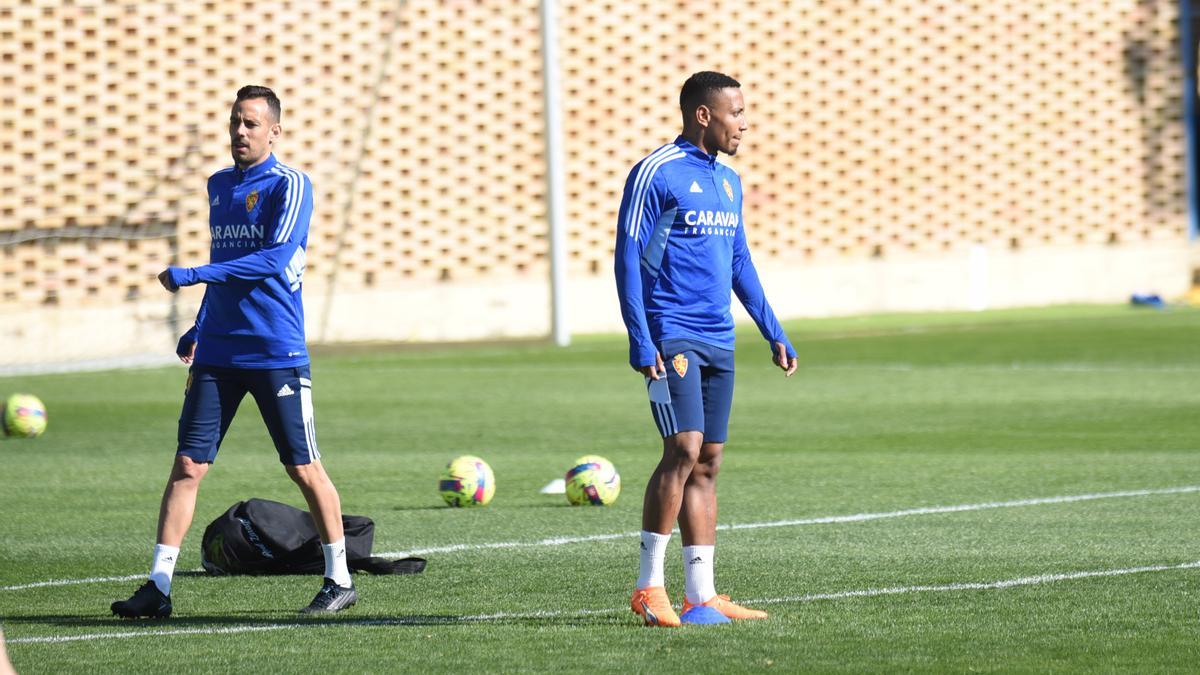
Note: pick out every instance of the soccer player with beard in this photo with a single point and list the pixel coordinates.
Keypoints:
(248, 338)
(680, 251)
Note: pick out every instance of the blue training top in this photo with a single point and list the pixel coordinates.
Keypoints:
(681, 249)
(252, 315)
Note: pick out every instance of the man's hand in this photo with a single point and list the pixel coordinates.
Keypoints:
(780, 358)
(164, 278)
(186, 352)
(185, 349)
(653, 372)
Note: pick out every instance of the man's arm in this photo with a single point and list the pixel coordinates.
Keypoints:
(185, 349)
(290, 228)
(641, 206)
(749, 290)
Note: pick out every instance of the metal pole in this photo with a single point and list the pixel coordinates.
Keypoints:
(554, 176)
(1188, 47)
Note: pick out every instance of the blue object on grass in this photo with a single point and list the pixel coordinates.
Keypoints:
(1146, 300)
(703, 614)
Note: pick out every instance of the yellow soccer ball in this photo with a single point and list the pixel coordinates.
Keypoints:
(593, 480)
(467, 481)
(24, 416)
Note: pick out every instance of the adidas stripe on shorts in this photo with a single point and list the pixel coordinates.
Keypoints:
(284, 398)
(697, 393)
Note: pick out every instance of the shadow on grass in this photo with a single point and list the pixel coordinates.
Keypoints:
(273, 619)
(195, 573)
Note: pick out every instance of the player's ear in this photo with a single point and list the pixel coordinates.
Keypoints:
(703, 115)
(275, 131)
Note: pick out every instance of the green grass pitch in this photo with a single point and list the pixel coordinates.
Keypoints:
(836, 491)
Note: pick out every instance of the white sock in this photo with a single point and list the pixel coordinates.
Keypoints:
(654, 551)
(698, 584)
(163, 567)
(335, 563)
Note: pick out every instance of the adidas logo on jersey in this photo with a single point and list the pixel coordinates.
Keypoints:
(216, 200)
(284, 391)
(695, 187)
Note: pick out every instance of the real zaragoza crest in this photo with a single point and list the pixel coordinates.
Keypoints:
(680, 364)
(252, 198)
(728, 188)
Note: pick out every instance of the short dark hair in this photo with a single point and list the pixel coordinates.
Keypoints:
(256, 91)
(700, 87)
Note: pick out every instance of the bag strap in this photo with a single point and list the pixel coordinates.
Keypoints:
(376, 565)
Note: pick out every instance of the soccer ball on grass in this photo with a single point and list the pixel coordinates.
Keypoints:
(467, 481)
(24, 416)
(593, 480)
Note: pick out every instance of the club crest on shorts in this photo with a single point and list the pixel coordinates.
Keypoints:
(728, 188)
(679, 363)
(252, 199)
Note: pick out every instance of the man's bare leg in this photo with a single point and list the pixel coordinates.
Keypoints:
(326, 509)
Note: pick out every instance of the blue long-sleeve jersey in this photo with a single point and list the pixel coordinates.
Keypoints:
(252, 315)
(681, 248)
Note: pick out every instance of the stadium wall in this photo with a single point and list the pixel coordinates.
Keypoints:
(907, 155)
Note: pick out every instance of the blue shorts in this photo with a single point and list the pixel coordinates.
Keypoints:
(284, 398)
(698, 390)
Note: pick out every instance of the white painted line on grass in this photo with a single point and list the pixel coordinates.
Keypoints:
(549, 541)
(70, 582)
(509, 616)
(89, 637)
(1015, 366)
(979, 586)
(852, 518)
(927, 510)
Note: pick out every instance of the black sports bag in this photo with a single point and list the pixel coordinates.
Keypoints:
(259, 536)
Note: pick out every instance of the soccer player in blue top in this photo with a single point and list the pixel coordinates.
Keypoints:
(248, 338)
(680, 251)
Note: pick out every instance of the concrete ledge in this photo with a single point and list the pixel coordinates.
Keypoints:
(970, 279)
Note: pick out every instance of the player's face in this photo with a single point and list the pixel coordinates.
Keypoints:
(727, 121)
(252, 131)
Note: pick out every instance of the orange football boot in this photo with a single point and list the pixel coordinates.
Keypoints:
(722, 604)
(653, 605)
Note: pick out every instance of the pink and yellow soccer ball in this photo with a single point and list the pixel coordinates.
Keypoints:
(467, 481)
(592, 480)
(24, 416)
